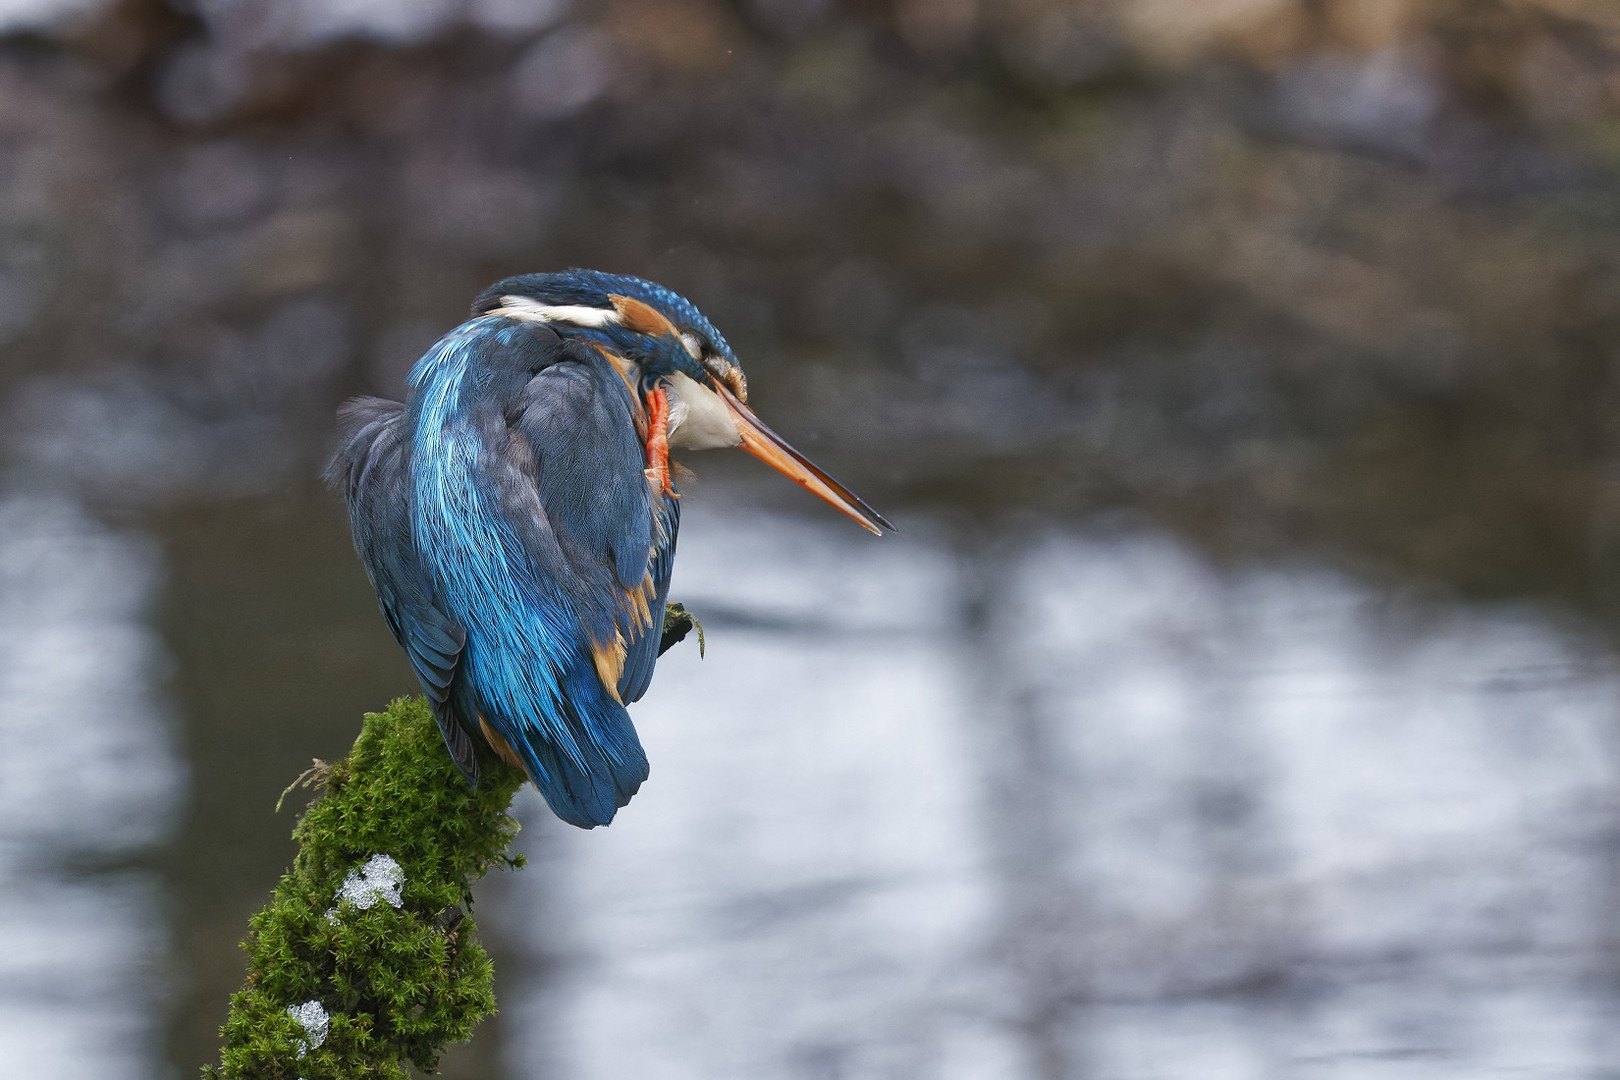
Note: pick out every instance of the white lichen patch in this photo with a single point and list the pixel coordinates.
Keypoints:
(379, 880)
(312, 1017)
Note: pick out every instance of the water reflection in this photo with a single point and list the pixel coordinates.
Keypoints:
(88, 782)
(1132, 817)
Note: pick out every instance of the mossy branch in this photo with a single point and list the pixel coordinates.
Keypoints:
(365, 959)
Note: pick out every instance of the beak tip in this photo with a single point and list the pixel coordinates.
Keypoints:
(759, 441)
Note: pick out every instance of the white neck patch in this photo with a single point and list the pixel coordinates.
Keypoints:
(532, 310)
(698, 419)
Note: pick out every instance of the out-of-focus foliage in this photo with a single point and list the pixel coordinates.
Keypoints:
(398, 979)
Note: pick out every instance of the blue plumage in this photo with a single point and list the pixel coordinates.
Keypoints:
(518, 520)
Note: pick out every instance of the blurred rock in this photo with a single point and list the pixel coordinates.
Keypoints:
(129, 446)
(937, 26)
(221, 183)
(1384, 101)
(307, 23)
(1063, 45)
(43, 15)
(301, 345)
(26, 282)
(200, 83)
(397, 349)
(790, 17)
(295, 250)
(562, 73)
(857, 300)
(1560, 89)
(1173, 32)
(517, 16)
(697, 37)
(1372, 25)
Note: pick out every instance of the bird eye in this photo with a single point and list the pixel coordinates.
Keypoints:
(694, 347)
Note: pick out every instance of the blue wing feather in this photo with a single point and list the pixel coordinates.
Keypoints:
(589, 468)
(371, 468)
(533, 515)
(577, 420)
(642, 653)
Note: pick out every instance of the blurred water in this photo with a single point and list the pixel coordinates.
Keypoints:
(89, 782)
(1139, 818)
(1074, 803)
(1068, 803)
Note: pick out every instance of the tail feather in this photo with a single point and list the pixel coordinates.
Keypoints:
(589, 792)
(457, 741)
(583, 797)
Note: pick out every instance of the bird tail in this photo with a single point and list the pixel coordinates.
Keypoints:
(587, 792)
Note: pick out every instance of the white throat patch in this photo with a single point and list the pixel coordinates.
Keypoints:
(698, 419)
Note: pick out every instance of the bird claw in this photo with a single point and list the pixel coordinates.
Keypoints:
(659, 478)
(678, 622)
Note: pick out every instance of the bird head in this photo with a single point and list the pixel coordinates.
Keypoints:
(659, 340)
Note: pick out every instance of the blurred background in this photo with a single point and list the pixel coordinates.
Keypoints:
(1240, 697)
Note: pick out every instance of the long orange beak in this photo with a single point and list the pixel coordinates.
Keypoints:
(773, 450)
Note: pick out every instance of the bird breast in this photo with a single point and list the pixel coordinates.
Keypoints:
(698, 418)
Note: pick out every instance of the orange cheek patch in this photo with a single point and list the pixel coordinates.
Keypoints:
(641, 317)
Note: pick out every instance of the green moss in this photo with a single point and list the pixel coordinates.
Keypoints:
(399, 984)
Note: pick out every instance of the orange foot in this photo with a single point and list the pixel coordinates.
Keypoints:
(658, 440)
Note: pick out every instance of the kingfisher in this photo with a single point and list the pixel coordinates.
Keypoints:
(517, 516)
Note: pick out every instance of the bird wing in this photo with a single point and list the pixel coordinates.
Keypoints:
(587, 521)
(643, 650)
(580, 416)
(371, 467)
